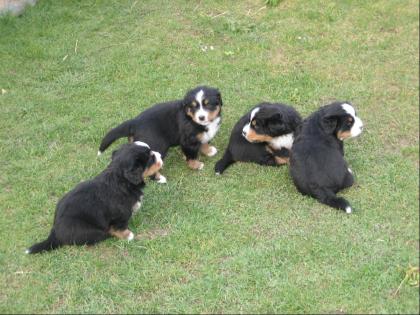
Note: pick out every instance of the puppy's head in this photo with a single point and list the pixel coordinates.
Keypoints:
(339, 119)
(203, 104)
(268, 121)
(135, 161)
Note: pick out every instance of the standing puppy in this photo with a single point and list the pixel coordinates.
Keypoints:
(191, 123)
(317, 162)
(99, 208)
(264, 135)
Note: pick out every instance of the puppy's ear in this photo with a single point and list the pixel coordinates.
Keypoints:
(329, 123)
(219, 98)
(276, 124)
(134, 176)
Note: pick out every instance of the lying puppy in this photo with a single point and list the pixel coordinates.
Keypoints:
(317, 162)
(191, 123)
(99, 208)
(264, 136)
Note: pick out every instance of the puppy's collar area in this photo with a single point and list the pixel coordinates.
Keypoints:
(284, 141)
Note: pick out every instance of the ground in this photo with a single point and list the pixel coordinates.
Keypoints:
(243, 242)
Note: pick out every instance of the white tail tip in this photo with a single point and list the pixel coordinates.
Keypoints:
(99, 153)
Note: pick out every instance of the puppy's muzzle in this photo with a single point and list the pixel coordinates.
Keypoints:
(158, 158)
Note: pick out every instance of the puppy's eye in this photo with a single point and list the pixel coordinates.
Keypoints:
(194, 104)
(254, 123)
(349, 120)
(206, 102)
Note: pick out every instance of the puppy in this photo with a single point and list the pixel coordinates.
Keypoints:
(99, 208)
(317, 163)
(191, 123)
(264, 136)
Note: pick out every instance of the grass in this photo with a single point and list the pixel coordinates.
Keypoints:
(243, 242)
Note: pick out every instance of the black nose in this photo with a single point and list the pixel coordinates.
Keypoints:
(201, 118)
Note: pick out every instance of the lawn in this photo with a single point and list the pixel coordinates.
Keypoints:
(243, 242)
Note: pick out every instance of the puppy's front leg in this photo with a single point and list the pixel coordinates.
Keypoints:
(191, 155)
(124, 234)
(208, 149)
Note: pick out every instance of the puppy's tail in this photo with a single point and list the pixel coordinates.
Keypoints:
(329, 198)
(49, 244)
(224, 163)
(123, 130)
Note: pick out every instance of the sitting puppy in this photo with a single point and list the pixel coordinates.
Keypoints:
(264, 136)
(191, 123)
(317, 162)
(99, 208)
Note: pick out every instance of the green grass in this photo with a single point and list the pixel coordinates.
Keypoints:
(243, 242)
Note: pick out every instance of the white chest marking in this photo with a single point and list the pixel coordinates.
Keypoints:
(285, 141)
(212, 129)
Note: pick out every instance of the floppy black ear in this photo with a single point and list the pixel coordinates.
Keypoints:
(219, 98)
(133, 176)
(329, 123)
(276, 123)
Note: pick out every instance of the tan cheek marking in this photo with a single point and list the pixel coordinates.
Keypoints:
(194, 164)
(153, 169)
(121, 234)
(214, 114)
(255, 137)
(281, 160)
(191, 114)
(343, 135)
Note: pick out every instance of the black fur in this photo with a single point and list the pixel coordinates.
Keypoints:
(169, 124)
(86, 214)
(317, 163)
(272, 120)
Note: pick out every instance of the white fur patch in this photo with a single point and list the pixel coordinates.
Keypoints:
(212, 129)
(136, 206)
(284, 141)
(27, 251)
(246, 128)
(357, 127)
(350, 171)
(158, 157)
(212, 151)
(161, 179)
(142, 144)
(99, 153)
(130, 236)
(348, 210)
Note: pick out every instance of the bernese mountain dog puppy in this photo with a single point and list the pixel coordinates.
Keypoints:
(264, 136)
(191, 123)
(101, 207)
(317, 163)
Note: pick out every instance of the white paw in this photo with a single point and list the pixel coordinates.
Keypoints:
(27, 251)
(348, 210)
(130, 236)
(99, 153)
(136, 206)
(212, 151)
(218, 173)
(200, 166)
(350, 171)
(162, 180)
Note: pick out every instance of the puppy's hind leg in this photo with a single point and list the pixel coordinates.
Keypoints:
(82, 233)
(224, 163)
(328, 197)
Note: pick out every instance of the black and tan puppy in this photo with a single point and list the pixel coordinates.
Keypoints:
(99, 208)
(264, 136)
(317, 162)
(191, 123)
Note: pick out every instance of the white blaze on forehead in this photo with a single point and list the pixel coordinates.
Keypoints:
(254, 112)
(142, 144)
(199, 96)
(357, 127)
(348, 109)
(201, 112)
(246, 128)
